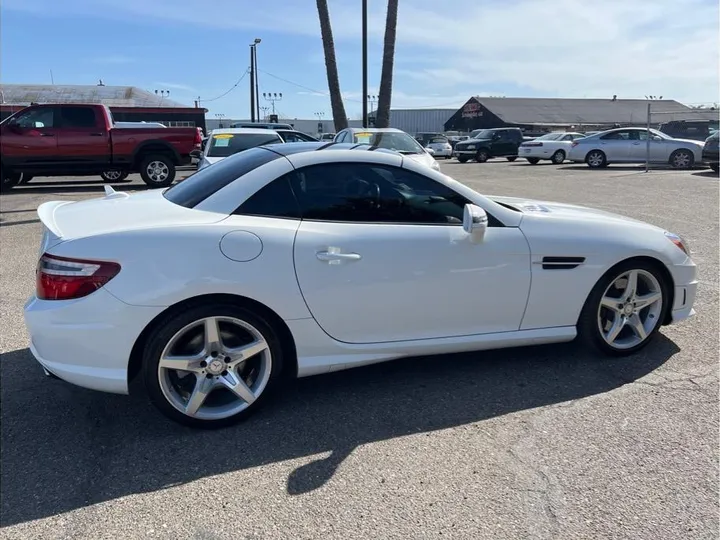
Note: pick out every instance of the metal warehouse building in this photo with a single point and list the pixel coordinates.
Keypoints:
(546, 114)
(127, 103)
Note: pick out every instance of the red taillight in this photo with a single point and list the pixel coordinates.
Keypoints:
(61, 278)
(531, 144)
(198, 137)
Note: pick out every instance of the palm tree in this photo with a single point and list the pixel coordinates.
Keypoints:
(382, 115)
(336, 101)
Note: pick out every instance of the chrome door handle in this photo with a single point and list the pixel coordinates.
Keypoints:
(334, 257)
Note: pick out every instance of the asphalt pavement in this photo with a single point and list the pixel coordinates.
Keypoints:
(548, 442)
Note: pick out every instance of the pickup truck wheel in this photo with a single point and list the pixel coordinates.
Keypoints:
(462, 159)
(113, 176)
(8, 180)
(157, 171)
(482, 156)
(25, 178)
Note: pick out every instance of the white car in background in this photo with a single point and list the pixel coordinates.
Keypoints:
(553, 146)
(630, 145)
(306, 258)
(225, 142)
(441, 147)
(390, 139)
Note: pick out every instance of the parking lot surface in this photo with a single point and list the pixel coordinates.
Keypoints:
(545, 442)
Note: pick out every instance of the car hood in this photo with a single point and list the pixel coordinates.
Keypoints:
(556, 210)
(699, 144)
(117, 211)
(472, 141)
(423, 159)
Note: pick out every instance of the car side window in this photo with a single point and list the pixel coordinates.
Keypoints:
(77, 117)
(43, 117)
(341, 136)
(276, 199)
(617, 136)
(370, 193)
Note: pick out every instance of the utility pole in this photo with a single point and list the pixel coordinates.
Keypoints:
(272, 97)
(253, 79)
(647, 141)
(365, 60)
(257, 90)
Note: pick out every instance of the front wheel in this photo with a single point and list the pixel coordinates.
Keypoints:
(212, 365)
(462, 159)
(511, 158)
(558, 157)
(625, 308)
(114, 176)
(596, 159)
(682, 159)
(157, 171)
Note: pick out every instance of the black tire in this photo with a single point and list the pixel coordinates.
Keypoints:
(511, 158)
(715, 167)
(462, 159)
(168, 328)
(596, 159)
(114, 176)
(482, 156)
(533, 160)
(150, 178)
(682, 158)
(8, 180)
(587, 326)
(558, 157)
(25, 178)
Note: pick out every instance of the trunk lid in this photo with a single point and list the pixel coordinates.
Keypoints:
(117, 211)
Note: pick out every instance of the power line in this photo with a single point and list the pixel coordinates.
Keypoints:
(234, 86)
(305, 87)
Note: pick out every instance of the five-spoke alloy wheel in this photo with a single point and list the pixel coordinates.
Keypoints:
(209, 367)
(626, 307)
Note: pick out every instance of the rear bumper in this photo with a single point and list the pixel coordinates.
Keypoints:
(86, 342)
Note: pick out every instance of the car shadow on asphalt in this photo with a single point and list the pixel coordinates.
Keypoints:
(709, 173)
(65, 448)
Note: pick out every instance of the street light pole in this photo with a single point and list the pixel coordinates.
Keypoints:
(254, 99)
(257, 90)
(365, 60)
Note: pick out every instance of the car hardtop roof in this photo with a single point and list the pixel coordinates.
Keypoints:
(376, 130)
(289, 149)
(247, 131)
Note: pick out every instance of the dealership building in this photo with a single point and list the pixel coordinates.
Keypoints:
(127, 103)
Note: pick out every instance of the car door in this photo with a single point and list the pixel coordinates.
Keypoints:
(81, 143)
(31, 140)
(616, 145)
(503, 145)
(381, 255)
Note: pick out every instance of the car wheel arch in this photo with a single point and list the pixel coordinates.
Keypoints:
(278, 324)
(661, 268)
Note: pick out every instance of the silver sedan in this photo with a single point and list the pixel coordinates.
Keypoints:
(630, 145)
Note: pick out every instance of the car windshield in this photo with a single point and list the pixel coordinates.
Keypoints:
(399, 142)
(550, 137)
(482, 134)
(227, 144)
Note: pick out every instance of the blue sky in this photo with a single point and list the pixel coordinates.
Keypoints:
(563, 48)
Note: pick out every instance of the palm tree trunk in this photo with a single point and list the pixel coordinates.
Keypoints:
(382, 115)
(336, 101)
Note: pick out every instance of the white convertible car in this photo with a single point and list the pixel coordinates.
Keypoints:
(304, 258)
(553, 146)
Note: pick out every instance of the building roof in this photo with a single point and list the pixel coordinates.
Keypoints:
(112, 96)
(564, 111)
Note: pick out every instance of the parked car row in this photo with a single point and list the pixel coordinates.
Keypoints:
(596, 149)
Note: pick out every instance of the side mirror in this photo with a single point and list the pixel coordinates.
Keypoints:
(657, 138)
(475, 222)
(430, 151)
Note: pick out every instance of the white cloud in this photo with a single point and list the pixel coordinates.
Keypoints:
(175, 86)
(568, 48)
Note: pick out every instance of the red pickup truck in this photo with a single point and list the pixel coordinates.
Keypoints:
(80, 140)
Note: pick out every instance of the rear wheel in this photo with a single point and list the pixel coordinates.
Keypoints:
(511, 158)
(213, 365)
(482, 156)
(715, 167)
(157, 171)
(558, 157)
(625, 308)
(596, 159)
(682, 158)
(25, 178)
(533, 160)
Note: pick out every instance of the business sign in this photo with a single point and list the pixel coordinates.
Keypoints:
(472, 110)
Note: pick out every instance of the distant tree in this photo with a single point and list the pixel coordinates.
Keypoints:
(336, 101)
